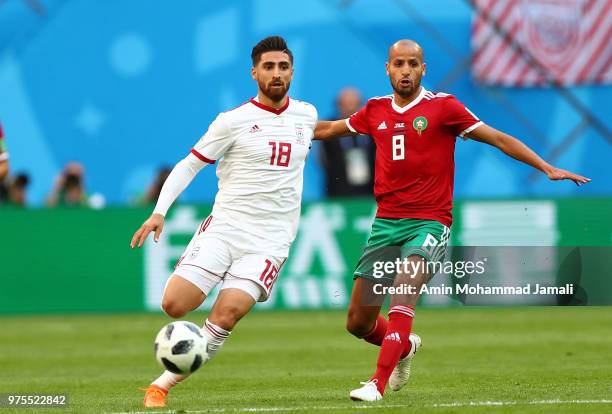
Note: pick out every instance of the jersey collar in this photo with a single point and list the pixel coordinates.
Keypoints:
(269, 108)
(402, 109)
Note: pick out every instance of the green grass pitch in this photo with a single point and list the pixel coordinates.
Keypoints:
(473, 360)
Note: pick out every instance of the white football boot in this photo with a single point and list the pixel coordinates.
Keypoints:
(368, 392)
(401, 372)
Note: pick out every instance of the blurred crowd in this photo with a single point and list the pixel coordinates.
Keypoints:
(348, 165)
(348, 162)
(68, 188)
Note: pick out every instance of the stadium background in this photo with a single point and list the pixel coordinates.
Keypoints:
(127, 86)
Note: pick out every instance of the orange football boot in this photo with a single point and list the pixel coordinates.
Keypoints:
(154, 396)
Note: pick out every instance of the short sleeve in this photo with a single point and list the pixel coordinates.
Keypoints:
(215, 142)
(458, 118)
(314, 116)
(358, 122)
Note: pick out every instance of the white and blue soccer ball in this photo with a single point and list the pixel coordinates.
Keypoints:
(180, 347)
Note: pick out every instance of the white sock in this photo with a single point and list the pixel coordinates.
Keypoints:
(215, 335)
(168, 380)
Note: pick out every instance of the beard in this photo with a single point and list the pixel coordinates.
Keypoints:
(276, 94)
(405, 92)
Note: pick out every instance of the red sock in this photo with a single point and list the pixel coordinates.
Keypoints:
(394, 345)
(377, 334)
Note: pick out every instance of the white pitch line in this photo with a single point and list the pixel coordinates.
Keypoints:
(474, 404)
(571, 402)
(536, 402)
(370, 406)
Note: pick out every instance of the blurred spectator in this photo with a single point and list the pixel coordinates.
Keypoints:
(4, 165)
(348, 161)
(17, 190)
(69, 187)
(155, 187)
(13, 190)
(4, 191)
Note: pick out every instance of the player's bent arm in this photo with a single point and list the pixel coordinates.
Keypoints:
(519, 151)
(180, 177)
(4, 169)
(332, 129)
(4, 158)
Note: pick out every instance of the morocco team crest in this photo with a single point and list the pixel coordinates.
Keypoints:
(420, 124)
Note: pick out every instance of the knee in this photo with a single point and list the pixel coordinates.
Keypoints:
(173, 308)
(357, 326)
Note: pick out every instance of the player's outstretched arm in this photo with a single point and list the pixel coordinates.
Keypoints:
(519, 151)
(177, 181)
(332, 129)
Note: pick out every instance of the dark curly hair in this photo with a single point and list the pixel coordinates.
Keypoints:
(270, 44)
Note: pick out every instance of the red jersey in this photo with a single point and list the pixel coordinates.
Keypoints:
(415, 148)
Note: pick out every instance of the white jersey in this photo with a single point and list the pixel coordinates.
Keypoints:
(261, 153)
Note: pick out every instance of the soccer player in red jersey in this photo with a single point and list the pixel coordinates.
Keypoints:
(414, 131)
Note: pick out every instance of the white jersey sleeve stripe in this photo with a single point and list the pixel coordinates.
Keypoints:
(348, 124)
(470, 129)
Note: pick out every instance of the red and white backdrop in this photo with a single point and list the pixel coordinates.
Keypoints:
(570, 39)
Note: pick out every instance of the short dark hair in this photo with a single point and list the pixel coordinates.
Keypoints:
(270, 44)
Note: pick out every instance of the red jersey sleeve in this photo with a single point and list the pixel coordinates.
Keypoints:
(358, 122)
(458, 118)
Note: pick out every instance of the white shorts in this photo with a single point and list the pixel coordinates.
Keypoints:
(211, 258)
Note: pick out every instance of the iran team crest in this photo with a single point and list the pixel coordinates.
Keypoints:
(299, 133)
(551, 31)
(419, 124)
(194, 252)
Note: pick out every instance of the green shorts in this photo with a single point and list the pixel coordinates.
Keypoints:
(395, 239)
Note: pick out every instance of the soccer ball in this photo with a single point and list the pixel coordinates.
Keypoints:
(180, 347)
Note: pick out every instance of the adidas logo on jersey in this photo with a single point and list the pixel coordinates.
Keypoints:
(255, 128)
(393, 337)
(382, 125)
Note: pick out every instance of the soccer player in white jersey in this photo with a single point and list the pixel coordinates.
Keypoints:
(261, 147)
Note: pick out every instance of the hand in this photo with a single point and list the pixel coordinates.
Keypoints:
(559, 174)
(154, 223)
